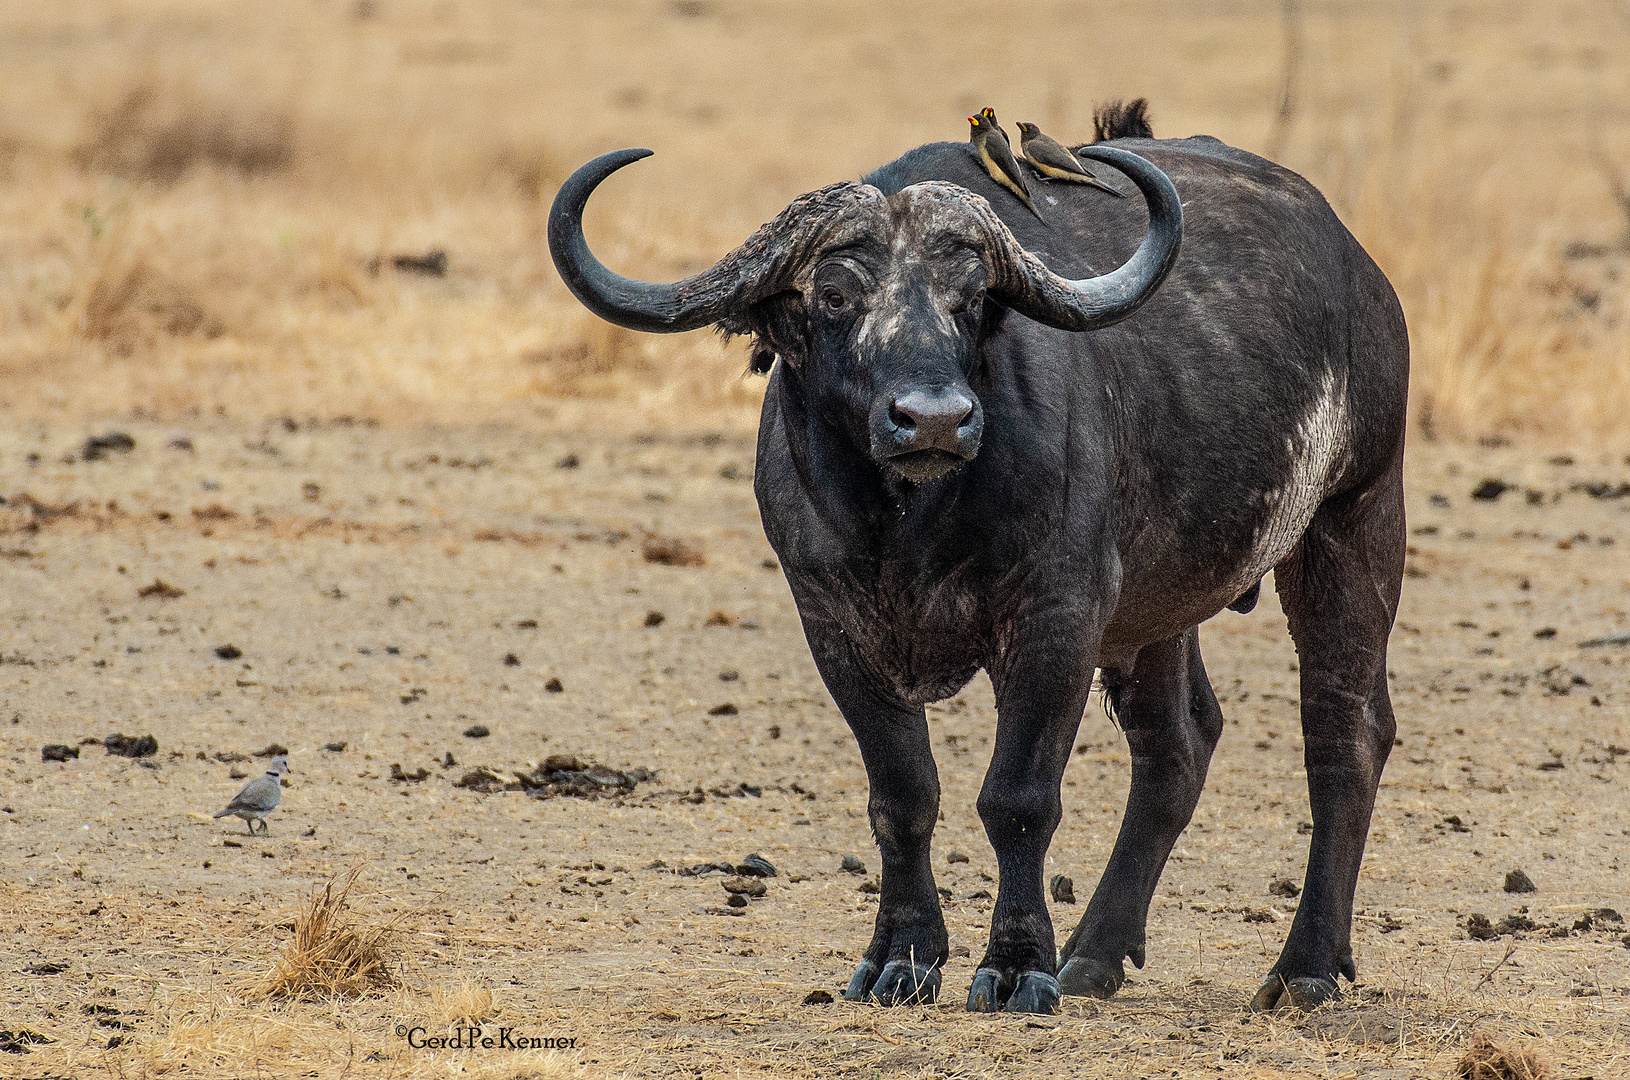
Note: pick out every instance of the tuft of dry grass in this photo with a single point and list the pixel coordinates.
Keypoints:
(1486, 1059)
(329, 955)
(150, 134)
(465, 1003)
(131, 298)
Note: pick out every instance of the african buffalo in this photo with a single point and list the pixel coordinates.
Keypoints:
(980, 450)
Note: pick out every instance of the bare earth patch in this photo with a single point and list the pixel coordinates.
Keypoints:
(382, 617)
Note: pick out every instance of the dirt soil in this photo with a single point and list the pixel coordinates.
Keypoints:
(390, 589)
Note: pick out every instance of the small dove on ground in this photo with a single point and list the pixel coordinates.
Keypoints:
(259, 797)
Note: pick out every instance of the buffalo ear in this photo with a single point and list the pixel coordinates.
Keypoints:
(779, 327)
(994, 313)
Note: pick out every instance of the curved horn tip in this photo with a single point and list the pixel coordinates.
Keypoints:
(1094, 303)
(627, 157)
(627, 302)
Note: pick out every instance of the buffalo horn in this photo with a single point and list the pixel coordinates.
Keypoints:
(1020, 281)
(761, 267)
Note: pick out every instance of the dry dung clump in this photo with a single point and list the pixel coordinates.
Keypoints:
(329, 955)
(98, 447)
(1486, 1059)
(563, 774)
(485, 781)
(131, 746)
(670, 551)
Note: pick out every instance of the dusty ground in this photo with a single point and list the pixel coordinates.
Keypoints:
(376, 579)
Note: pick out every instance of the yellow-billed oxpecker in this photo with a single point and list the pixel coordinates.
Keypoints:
(990, 142)
(1054, 162)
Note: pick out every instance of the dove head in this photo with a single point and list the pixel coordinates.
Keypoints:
(279, 766)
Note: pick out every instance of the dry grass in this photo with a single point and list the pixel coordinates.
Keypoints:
(329, 956)
(463, 1003)
(148, 135)
(1486, 1059)
(193, 222)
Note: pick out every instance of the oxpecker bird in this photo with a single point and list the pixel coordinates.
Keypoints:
(259, 797)
(990, 142)
(1054, 162)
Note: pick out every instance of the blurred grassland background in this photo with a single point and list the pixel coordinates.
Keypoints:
(201, 200)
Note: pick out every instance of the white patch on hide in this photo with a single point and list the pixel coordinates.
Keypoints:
(1316, 449)
(887, 320)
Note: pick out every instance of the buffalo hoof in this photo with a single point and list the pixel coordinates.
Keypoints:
(1037, 992)
(1083, 976)
(1031, 992)
(862, 981)
(988, 991)
(1305, 992)
(905, 983)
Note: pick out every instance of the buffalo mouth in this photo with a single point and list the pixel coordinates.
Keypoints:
(920, 466)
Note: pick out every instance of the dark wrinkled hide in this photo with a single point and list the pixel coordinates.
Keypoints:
(1121, 494)
(1121, 486)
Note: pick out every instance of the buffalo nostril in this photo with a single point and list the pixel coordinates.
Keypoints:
(932, 417)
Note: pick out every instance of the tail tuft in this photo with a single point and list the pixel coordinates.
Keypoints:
(1122, 120)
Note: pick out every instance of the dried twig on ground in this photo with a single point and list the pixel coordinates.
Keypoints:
(1489, 974)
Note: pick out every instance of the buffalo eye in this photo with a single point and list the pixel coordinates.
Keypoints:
(832, 299)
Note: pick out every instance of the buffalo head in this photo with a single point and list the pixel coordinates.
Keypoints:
(875, 303)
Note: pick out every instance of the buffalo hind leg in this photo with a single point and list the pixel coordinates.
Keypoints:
(1172, 722)
(1340, 591)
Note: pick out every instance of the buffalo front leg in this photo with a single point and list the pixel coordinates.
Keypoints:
(909, 945)
(1172, 721)
(1039, 701)
(1340, 593)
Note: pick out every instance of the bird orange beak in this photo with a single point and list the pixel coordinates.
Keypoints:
(974, 120)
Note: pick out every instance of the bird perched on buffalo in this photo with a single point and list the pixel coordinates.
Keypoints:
(259, 797)
(990, 142)
(1054, 162)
